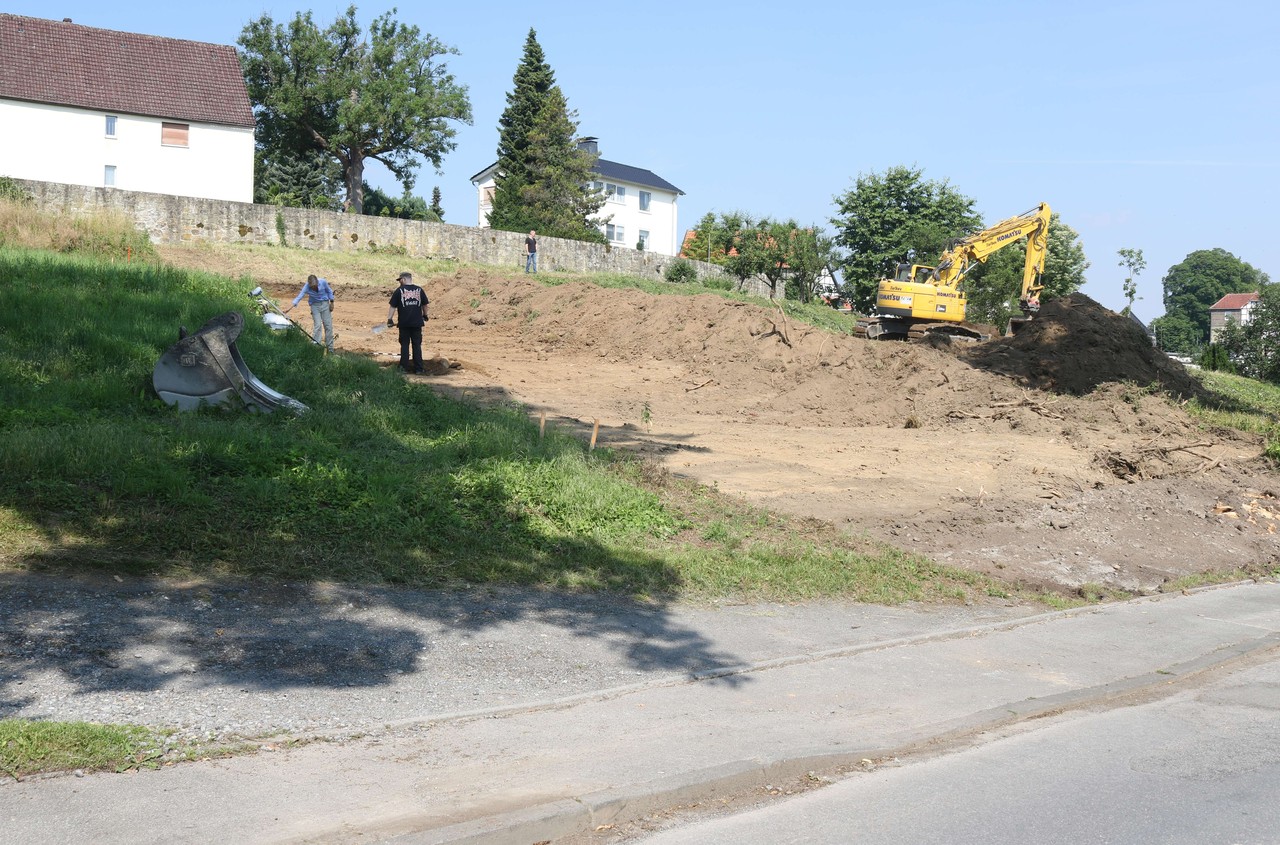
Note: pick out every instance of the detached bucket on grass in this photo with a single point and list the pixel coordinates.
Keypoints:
(205, 368)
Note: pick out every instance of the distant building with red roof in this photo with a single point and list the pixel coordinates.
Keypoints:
(88, 106)
(1232, 308)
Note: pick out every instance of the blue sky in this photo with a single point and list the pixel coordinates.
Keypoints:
(1145, 124)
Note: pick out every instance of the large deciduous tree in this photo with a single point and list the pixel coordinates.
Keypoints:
(557, 196)
(1176, 333)
(533, 82)
(896, 216)
(994, 289)
(1201, 279)
(389, 98)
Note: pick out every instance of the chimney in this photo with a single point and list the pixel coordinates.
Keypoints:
(589, 144)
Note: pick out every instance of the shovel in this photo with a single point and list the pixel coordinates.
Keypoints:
(379, 329)
(268, 305)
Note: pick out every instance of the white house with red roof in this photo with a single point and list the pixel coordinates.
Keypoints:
(87, 106)
(639, 204)
(1232, 308)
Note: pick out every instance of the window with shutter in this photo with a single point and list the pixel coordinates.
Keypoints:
(174, 134)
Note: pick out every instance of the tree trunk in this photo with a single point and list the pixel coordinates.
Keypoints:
(355, 184)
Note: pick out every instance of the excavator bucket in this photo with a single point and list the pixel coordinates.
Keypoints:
(1016, 324)
(205, 368)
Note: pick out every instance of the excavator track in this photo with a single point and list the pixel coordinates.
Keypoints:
(897, 328)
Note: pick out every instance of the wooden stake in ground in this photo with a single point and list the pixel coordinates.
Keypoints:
(595, 430)
(542, 424)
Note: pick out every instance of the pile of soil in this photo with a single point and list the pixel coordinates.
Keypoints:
(1059, 458)
(1075, 346)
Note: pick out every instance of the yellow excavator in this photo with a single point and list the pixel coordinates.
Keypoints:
(922, 300)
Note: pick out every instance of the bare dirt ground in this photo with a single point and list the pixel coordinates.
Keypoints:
(1041, 458)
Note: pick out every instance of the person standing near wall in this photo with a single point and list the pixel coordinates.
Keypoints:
(408, 307)
(320, 297)
(531, 252)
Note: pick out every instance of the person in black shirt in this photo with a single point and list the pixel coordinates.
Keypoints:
(408, 308)
(531, 252)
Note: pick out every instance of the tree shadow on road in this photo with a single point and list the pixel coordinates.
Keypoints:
(110, 634)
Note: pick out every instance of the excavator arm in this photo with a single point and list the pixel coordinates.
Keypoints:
(968, 252)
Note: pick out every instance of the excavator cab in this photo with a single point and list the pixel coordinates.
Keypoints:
(919, 274)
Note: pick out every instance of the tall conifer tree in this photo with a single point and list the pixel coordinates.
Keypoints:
(557, 196)
(533, 80)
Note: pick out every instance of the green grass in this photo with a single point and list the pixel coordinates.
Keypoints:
(1243, 404)
(31, 747)
(28, 747)
(727, 548)
(381, 482)
(106, 235)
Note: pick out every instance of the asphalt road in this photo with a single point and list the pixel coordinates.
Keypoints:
(585, 715)
(1202, 766)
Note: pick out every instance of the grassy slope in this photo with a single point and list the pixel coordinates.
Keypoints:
(380, 482)
(1245, 405)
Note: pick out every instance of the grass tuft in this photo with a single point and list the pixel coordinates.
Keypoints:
(29, 747)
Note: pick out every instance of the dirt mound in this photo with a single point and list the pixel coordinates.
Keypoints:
(1041, 458)
(1074, 345)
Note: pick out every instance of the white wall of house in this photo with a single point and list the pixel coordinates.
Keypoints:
(627, 221)
(484, 200)
(58, 144)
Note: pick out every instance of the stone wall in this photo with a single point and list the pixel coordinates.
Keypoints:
(175, 220)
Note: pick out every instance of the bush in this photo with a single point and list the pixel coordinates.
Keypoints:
(12, 192)
(1216, 358)
(681, 270)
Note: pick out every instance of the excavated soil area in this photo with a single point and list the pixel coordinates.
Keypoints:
(1061, 457)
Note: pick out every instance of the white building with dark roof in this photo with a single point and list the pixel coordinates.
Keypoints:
(640, 205)
(96, 107)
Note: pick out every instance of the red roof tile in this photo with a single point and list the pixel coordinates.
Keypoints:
(65, 64)
(1233, 302)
